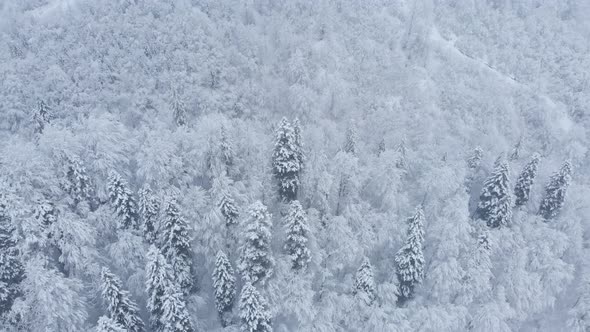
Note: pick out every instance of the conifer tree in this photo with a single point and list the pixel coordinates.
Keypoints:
(149, 209)
(119, 304)
(176, 245)
(224, 284)
(256, 262)
(254, 310)
(178, 109)
(402, 155)
(495, 201)
(516, 150)
(297, 236)
(475, 160)
(525, 181)
(298, 143)
(555, 192)
(77, 183)
(226, 149)
(175, 315)
(409, 259)
(228, 209)
(286, 163)
(364, 283)
(351, 140)
(122, 201)
(105, 324)
(11, 267)
(45, 213)
(41, 116)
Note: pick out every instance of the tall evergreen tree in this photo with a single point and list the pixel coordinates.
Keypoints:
(122, 201)
(350, 143)
(286, 163)
(176, 245)
(256, 261)
(226, 149)
(76, 181)
(224, 284)
(119, 304)
(228, 209)
(105, 324)
(495, 201)
(364, 283)
(149, 209)
(297, 236)
(298, 143)
(525, 181)
(402, 152)
(409, 259)
(475, 160)
(41, 116)
(254, 312)
(11, 267)
(178, 109)
(175, 315)
(45, 213)
(555, 192)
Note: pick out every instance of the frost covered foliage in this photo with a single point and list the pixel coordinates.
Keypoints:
(119, 304)
(295, 137)
(555, 192)
(495, 200)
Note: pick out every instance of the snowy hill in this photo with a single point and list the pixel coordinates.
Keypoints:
(294, 165)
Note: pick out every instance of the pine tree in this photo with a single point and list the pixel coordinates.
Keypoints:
(149, 209)
(41, 116)
(525, 181)
(11, 267)
(106, 324)
(364, 283)
(165, 301)
(475, 160)
(297, 236)
(495, 201)
(409, 259)
(228, 209)
(224, 284)
(555, 192)
(351, 140)
(77, 183)
(176, 245)
(119, 304)
(178, 109)
(256, 262)
(286, 163)
(254, 311)
(122, 201)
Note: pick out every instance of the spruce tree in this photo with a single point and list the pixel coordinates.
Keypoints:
(228, 209)
(119, 304)
(475, 160)
(256, 262)
(41, 117)
(149, 209)
(525, 181)
(402, 155)
(178, 109)
(45, 213)
(175, 315)
(254, 312)
(298, 143)
(409, 259)
(351, 140)
(286, 164)
(364, 283)
(77, 183)
(495, 201)
(224, 284)
(176, 245)
(11, 267)
(122, 201)
(226, 149)
(297, 236)
(555, 192)
(105, 324)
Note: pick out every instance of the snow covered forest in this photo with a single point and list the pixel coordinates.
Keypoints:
(294, 165)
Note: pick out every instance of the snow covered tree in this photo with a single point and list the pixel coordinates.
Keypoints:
(381, 147)
(579, 314)
(254, 312)
(525, 181)
(178, 109)
(41, 116)
(555, 192)
(176, 245)
(224, 284)
(105, 324)
(409, 259)
(119, 304)
(475, 160)
(228, 209)
(350, 143)
(226, 149)
(256, 261)
(122, 201)
(402, 152)
(297, 236)
(11, 267)
(76, 181)
(364, 282)
(285, 162)
(515, 154)
(149, 209)
(495, 201)
(45, 214)
(298, 143)
(165, 301)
